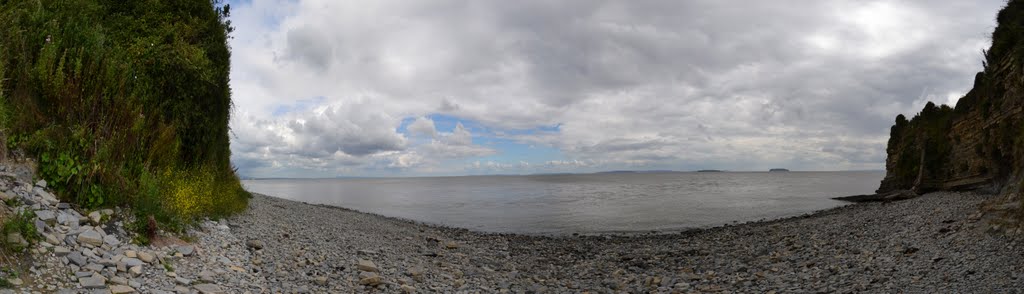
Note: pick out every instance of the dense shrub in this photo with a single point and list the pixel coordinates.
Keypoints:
(124, 103)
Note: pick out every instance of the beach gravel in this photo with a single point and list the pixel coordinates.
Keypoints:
(936, 243)
(927, 244)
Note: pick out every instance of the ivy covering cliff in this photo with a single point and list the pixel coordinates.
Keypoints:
(979, 144)
(123, 103)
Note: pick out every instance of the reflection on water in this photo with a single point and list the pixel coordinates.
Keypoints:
(590, 203)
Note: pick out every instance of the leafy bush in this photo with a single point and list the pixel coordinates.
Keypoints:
(125, 103)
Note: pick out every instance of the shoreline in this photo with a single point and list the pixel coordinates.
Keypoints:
(930, 243)
(574, 234)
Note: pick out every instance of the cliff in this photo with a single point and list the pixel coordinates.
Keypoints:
(979, 144)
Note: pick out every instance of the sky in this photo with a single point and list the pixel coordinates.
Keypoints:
(331, 88)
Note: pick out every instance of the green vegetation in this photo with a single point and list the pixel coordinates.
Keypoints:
(5, 273)
(124, 103)
(23, 224)
(1008, 37)
(929, 129)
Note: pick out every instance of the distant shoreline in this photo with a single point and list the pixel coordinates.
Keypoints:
(545, 174)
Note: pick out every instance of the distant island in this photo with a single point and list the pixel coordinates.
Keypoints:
(710, 171)
(778, 170)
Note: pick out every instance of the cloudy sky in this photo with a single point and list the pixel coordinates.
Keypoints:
(326, 88)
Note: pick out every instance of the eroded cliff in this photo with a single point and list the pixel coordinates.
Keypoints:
(979, 144)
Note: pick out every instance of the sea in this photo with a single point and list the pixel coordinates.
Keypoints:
(583, 203)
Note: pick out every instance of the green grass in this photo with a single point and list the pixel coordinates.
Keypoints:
(123, 104)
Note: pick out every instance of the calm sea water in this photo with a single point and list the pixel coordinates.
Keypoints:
(590, 203)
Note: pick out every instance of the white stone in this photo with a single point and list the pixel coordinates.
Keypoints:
(95, 217)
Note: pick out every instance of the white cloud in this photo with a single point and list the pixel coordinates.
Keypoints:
(423, 126)
(678, 85)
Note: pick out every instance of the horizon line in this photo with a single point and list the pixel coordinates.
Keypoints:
(554, 173)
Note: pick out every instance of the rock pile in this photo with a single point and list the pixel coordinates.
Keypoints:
(89, 252)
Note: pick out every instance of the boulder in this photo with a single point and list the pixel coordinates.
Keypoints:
(50, 238)
(92, 282)
(119, 281)
(77, 258)
(367, 266)
(135, 270)
(46, 216)
(111, 240)
(131, 262)
(321, 280)
(416, 273)
(209, 289)
(145, 256)
(254, 244)
(40, 226)
(95, 217)
(369, 279)
(16, 238)
(16, 281)
(46, 196)
(61, 251)
(186, 250)
(90, 237)
(121, 289)
(207, 276)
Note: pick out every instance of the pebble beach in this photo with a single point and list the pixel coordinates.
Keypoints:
(934, 243)
(938, 242)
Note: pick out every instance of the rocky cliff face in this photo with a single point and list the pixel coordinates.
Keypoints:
(979, 144)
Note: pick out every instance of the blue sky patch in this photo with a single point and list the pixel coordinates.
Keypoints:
(298, 106)
(510, 151)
